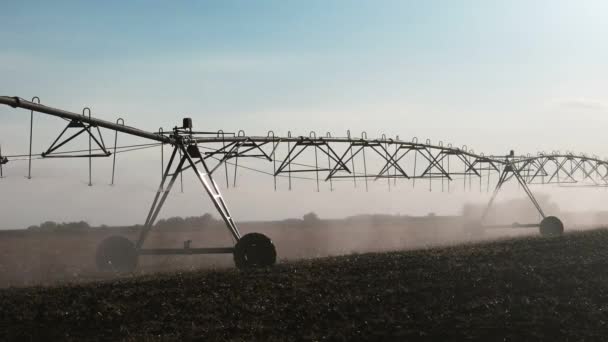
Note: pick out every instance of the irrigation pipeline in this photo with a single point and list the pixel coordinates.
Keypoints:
(313, 157)
(345, 157)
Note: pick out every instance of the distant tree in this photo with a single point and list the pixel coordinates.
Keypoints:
(207, 219)
(170, 223)
(311, 218)
(48, 225)
(199, 221)
(186, 223)
(175, 221)
(73, 226)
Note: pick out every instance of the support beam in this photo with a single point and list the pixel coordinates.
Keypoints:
(511, 170)
(204, 176)
(17, 102)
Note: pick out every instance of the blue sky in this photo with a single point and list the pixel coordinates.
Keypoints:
(234, 58)
(495, 75)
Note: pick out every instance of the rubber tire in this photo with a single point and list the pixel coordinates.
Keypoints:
(116, 254)
(551, 226)
(254, 250)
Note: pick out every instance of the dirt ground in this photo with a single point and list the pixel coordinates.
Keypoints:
(42, 258)
(523, 289)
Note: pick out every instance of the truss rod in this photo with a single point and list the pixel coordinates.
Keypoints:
(17, 102)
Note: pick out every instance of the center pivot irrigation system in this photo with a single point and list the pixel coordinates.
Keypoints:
(356, 159)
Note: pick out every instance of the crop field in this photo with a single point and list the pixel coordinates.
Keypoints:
(525, 288)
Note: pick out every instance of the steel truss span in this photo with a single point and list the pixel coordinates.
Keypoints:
(318, 158)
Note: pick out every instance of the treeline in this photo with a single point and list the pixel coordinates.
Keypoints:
(50, 226)
(206, 220)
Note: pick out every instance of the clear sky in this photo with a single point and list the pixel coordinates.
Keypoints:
(495, 75)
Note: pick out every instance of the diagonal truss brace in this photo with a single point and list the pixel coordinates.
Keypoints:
(84, 127)
(359, 146)
(192, 157)
(318, 145)
(509, 171)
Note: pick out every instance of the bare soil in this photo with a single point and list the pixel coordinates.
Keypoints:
(521, 289)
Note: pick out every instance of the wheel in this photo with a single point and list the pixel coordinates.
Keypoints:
(116, 254)
(551, 226)
(254, 250)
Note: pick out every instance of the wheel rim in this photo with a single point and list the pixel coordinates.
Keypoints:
(116, 254)
(551, 226)
(254, 250)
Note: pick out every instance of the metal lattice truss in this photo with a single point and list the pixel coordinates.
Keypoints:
(324, 158)
(349, 158)
(330, 158)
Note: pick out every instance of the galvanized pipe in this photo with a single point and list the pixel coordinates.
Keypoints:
(17, 102)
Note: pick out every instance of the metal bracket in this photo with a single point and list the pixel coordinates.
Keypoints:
(83, 127)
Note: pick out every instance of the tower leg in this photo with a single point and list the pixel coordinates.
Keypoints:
(211, 187)
(252, 250)
(158, 204)
(501, 180)
(549, 225)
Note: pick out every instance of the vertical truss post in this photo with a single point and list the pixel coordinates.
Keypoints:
(331, 184)
(470, 173)
(274, 158)
(119, 121)
(364, 137)
(162, 157)
(352, 159)
(288, 154)
(448, 157)
(414, 141)
(388, 179)
(225, 163)
(35, 99)
(313, 136)
(488, 184)
(431, 162)
(87, 109)
(237, 147)
(442, 176)
(397, 146)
